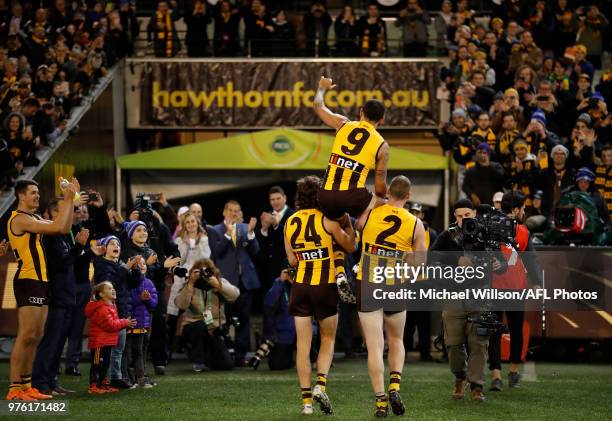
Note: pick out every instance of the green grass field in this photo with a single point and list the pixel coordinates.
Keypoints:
(561, 392)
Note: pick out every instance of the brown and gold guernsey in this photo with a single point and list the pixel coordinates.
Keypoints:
(28, 251)
(353, 156)
(312, 246)
(603, 183)
(387, 236)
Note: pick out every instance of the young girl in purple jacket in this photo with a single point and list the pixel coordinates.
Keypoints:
(143, 302)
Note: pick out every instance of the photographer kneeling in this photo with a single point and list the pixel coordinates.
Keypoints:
(203, 323)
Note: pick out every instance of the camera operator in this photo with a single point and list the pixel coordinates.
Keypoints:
(203, 323)
(516, 277)
(458, 330)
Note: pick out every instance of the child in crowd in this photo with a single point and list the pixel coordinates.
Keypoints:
(104, 325)
(124, 277)
(143, 302)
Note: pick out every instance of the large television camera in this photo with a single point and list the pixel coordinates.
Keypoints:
(488, 231)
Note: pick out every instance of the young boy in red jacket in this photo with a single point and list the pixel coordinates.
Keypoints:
(104, 327)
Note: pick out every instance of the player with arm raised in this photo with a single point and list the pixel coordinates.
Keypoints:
(25, 230)
(358, 149)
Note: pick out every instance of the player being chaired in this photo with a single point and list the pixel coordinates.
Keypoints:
(358, 149)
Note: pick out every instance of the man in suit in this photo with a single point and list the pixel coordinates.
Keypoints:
(272, 257)
(234, 251)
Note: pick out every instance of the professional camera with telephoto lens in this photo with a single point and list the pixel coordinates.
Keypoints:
(202, 281)
(487, 324)
(262, 352)
(222, 333)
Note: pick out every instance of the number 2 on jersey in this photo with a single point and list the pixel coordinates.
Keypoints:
(381, 239)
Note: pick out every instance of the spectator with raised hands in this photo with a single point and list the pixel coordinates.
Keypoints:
(152, 242)
(510, 105)
(545, 100)
(61, 254)
(413, 21)
(585, 147)
(539, 139)
(123, 277)
(234, 251)
(197, 19)
(345, 28)
(259, 29)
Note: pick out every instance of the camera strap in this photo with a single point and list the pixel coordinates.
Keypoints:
(206, 308)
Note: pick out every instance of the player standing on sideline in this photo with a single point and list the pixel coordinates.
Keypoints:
(389, 234)
(309, 239)
(358, 148)
(25, 230)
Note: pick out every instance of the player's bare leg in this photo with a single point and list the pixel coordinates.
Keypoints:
(31, 322)
(327, 328)
(303, 328)
(372, 326)
(394, 328)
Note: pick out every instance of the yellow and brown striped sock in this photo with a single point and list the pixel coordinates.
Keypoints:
(338, 259)
(382, 402)
(306, 396)
(322, 381)
(395, 377)
(14, 386)
(26, 381)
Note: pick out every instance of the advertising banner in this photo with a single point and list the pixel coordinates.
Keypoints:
(272, 93)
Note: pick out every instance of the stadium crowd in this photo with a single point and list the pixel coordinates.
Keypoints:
(272, 29)
(50, 58)
(527, 116)
(527, 111)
